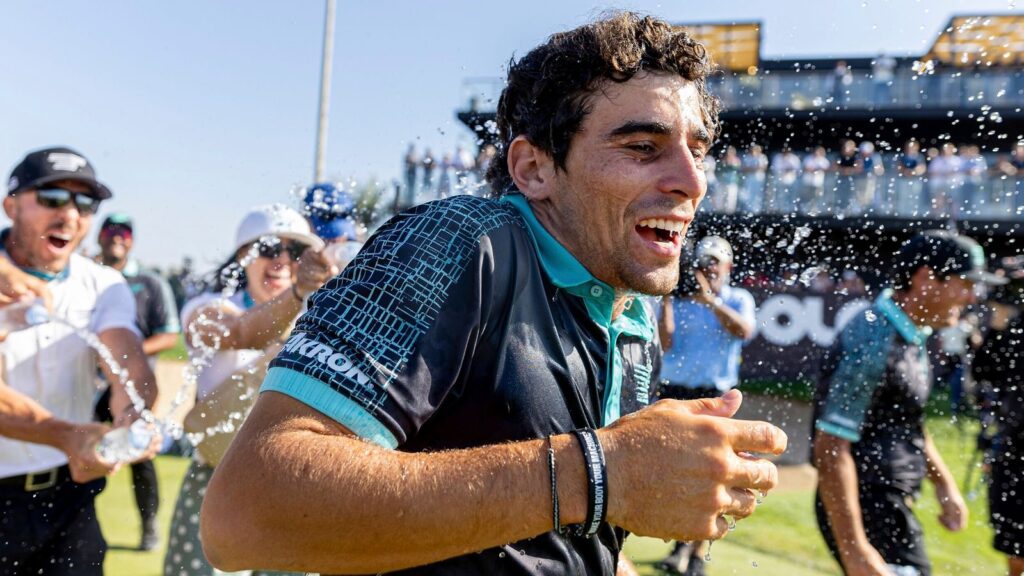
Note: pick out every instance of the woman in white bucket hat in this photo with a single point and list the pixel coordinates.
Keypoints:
(232, 331)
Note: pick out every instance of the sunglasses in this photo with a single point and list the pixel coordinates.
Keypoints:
(272, 250)
(59, 198)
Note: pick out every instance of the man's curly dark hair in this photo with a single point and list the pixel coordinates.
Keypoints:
(549, 90)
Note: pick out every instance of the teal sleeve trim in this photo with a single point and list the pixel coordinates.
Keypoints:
(323, 398)
(837, 431)
(170, 328)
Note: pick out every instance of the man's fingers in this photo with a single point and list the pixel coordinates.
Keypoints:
(724, 406)
(761, 437)
(744, 502)
(756, 474)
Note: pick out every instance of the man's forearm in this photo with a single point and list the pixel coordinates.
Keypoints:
(438, 505)
(732, 321)
(936, 468)
(837, 487)
(22, 418)
(157, 343)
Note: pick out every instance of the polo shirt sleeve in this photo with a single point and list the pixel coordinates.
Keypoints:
(115, 303)
(861, 364)
(383, 344)
(163, 312)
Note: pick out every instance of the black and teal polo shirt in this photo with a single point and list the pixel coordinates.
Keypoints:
(464, 323)
(873, 393)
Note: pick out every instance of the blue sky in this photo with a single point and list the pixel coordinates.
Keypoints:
(193, 111)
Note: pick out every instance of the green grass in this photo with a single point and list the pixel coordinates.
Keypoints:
(781, 539)
(178, 353)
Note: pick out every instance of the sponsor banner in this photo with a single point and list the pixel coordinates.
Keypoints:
(794, 328)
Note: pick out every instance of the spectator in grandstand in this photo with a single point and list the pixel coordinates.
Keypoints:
(870, 170)
(412, 166)
(839, 83)
(156, 317)
(870, 444)
(433, 391)
(910, 168)
(882, 74)
(848, 169)
(785, 172)
(444, 178)
(815, 167)
(462, 165)
(429, 166)
(821, 282)
(974, 169)
(944, 180)
(754, 166)
(1013, 169)
(728, 173)
(703, 326)
(483, 163)
(851, 283)
(996, 367)
(232, 331)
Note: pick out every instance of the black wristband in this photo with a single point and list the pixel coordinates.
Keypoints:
(597, 482)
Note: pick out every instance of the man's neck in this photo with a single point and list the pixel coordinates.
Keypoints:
(116, 264)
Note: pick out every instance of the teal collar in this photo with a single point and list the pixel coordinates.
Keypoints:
(247, 301)
(131, 268)
(899, 319)
(566, 272)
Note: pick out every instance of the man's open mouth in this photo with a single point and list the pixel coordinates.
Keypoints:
(661, 230)
(58, 240)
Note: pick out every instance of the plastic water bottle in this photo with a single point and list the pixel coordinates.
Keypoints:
(23, 314)
(126, 444)
(341, 253)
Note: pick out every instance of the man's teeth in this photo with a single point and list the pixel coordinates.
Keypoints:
(64, 237)
(671, 226)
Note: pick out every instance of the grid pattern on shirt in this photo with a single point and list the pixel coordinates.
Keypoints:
(378, 308)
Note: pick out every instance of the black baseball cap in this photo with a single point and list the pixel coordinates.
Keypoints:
(947, 254)
(51, 165)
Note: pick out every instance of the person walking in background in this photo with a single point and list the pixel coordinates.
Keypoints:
(703, 326)
(883, 73)
(944, 181)
(157, 321)
(840, 83)
(50, 469)
(870, 445)
(972, 200)
(997, 368)
(231, 332)
(428, 164)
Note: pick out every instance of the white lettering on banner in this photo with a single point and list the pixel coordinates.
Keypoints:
(785, 319)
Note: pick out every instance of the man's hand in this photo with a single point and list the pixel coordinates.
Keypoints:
(314, 270)
(954, 510)
(704, 467)
(17, 285)
(866, 561)
(80, 446)
(704, 295)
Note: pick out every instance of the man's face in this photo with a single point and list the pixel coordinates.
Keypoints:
(44, 238)
(633, 178)
(115, 243)
(716, 272)
(945, 299)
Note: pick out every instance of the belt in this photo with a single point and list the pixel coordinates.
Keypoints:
(36, 481)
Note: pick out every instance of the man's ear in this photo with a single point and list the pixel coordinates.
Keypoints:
(532, 169)
(923, 278)
(10, 206)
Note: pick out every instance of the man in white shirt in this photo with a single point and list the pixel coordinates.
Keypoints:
(50, 471)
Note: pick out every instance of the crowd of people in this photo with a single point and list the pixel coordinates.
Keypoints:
(479, 381)
(857, 179)
(429, 177)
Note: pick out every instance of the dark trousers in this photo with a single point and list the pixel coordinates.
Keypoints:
(147, 495)
(51, 531)
(891, 528)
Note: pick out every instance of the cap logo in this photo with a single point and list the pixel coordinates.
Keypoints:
(12, 184)
(65, 161)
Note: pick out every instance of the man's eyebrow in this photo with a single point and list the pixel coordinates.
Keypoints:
(640, 127)
(701, 134)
